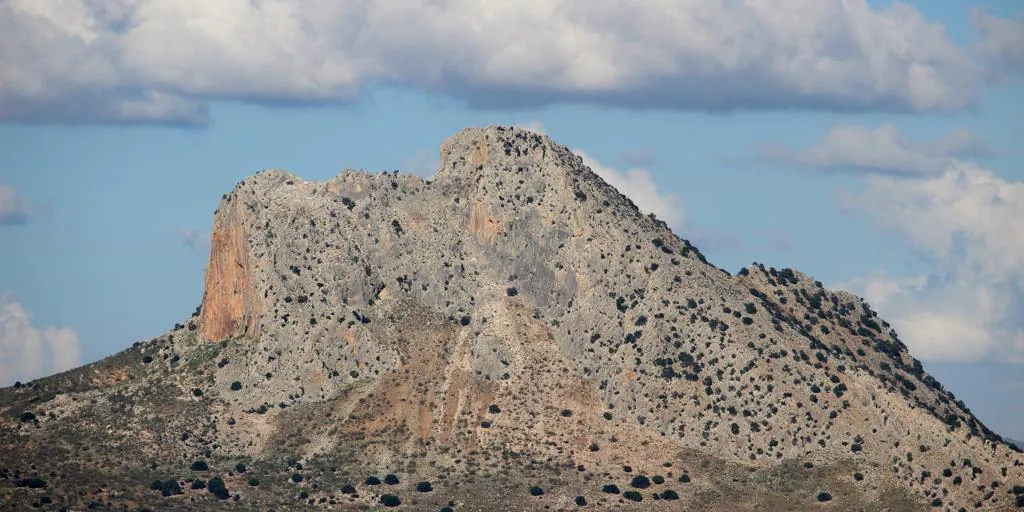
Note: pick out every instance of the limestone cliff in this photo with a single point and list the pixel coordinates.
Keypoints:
(516, 322)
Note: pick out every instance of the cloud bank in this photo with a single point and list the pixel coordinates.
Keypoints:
(162, 61)
(27, 351)
(884, 150)
(966, 222)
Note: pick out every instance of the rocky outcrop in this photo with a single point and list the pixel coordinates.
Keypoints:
(516, 311)
(231, 306)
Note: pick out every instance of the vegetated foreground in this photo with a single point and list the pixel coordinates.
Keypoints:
(511, 335)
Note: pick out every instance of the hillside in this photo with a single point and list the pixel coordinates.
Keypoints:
(512, 334)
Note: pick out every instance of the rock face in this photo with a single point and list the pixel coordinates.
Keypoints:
(516, 319)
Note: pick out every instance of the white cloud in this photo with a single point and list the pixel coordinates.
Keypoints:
(193, 239)
(28, 352)
(1001, 41)
(162, 60)
(13, 207)
(638, 185)
(533, 126)
(967, 223)
(884, 150)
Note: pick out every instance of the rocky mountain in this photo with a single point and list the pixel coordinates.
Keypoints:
(512, 334)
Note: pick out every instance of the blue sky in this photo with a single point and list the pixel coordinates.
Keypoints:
(875, 146)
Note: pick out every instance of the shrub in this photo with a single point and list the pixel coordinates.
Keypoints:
(240, 468)
(580, 501)
(372, 480)
(32, 483)
(610, 489)
(167, 487)
(858, 476)
(493, 409)
(512, 292)
(824, 496)
(424, 487)
(197, 392)
(391, 479)
(236, 386)
(390, 500)
(198, 483)
(685, 478)
(27, 416)
(146, 359)
(632, 496)
(217, 488)
(640, 482)
(536, 491)
(253, 481)
(566, 413)
(464, 321)
(348, 489)
(658, 479)
(200, 465)
(297, 477)
(670, 495)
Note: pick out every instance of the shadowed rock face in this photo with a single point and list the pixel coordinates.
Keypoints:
(517, 317)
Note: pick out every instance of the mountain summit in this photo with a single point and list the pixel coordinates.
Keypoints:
(512, 334)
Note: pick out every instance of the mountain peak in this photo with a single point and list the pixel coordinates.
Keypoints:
(515, 323)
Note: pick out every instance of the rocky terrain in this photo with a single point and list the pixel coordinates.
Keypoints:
(512, 334)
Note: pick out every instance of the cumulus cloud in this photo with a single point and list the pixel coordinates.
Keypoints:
(163, 60)
(638, 186)
(13, 207)
(28, 352)
(847, 147)
(1001, 42)
(966, 222)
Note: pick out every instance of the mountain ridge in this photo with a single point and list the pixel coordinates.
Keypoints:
(517, 314)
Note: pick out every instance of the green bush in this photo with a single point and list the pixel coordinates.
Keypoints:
(217, 488)
(236, 386)
(424, 487)
(200, 465)
(390, 500)
(633, 496)
(640, 482)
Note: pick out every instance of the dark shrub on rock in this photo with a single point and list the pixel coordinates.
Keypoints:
(632, 496)
(217, 488)
(640, 482)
